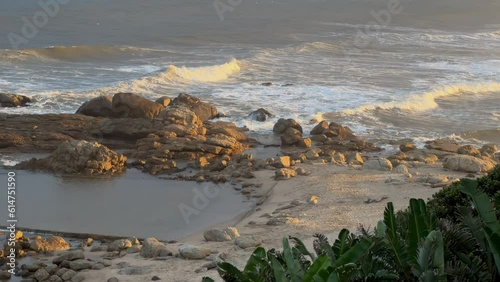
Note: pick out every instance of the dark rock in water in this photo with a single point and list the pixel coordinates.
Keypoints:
(13, 100)
(155, 278)
(204, 111)
(283, 124)
(164, 101)
(260, 115)
(266, 84)
(98, 107)
(287, 85)
(79, 157)
(128, 105)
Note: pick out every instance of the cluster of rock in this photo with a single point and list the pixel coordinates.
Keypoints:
(291, 133)
(185, 137)
(466, 158)
(325, 136)
(29, 246)
(65, 267)
(79, 157)
(157, 133)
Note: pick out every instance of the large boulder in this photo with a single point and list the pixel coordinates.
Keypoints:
(260, 115)
(291, 137)
(203, 110)
(13, 100)
(194, 252)
(248, 241)
(468, 163)
(153, 248)
(129, 105)
(221, 235)
(98, 107)
(80, 157)
(378, 164)
(283, 124)
(49, 244)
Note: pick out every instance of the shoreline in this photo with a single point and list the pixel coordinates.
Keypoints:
(297, 184)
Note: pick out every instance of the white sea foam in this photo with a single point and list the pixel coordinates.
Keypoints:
(427, 101)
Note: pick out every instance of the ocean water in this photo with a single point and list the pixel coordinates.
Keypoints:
(429, 69)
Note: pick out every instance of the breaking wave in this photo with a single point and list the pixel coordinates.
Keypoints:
(183, 74)
(427, 101)
(72, 53)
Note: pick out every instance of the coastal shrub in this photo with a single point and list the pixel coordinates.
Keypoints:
(449, 200)
(412, 245)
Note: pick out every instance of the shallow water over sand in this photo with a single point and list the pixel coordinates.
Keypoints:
(134, 204)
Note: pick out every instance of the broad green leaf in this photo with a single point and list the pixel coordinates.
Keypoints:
(319, 264)
(355, 253)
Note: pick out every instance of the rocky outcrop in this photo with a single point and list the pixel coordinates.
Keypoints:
(182, 135)
(129, 105)
(13, 100)
(98, 107)
(468, 163)
(204, 111)
(260, 115)
(79, 157)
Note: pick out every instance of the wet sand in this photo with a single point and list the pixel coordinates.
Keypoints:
(133, 204)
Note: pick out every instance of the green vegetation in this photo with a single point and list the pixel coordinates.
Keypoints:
(426, 242)
(448, 201)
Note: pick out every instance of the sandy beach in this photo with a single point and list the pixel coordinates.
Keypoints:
(347, 196)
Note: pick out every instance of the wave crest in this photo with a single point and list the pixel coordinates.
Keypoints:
(71, 53)
(427, 101)
(173, 74)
